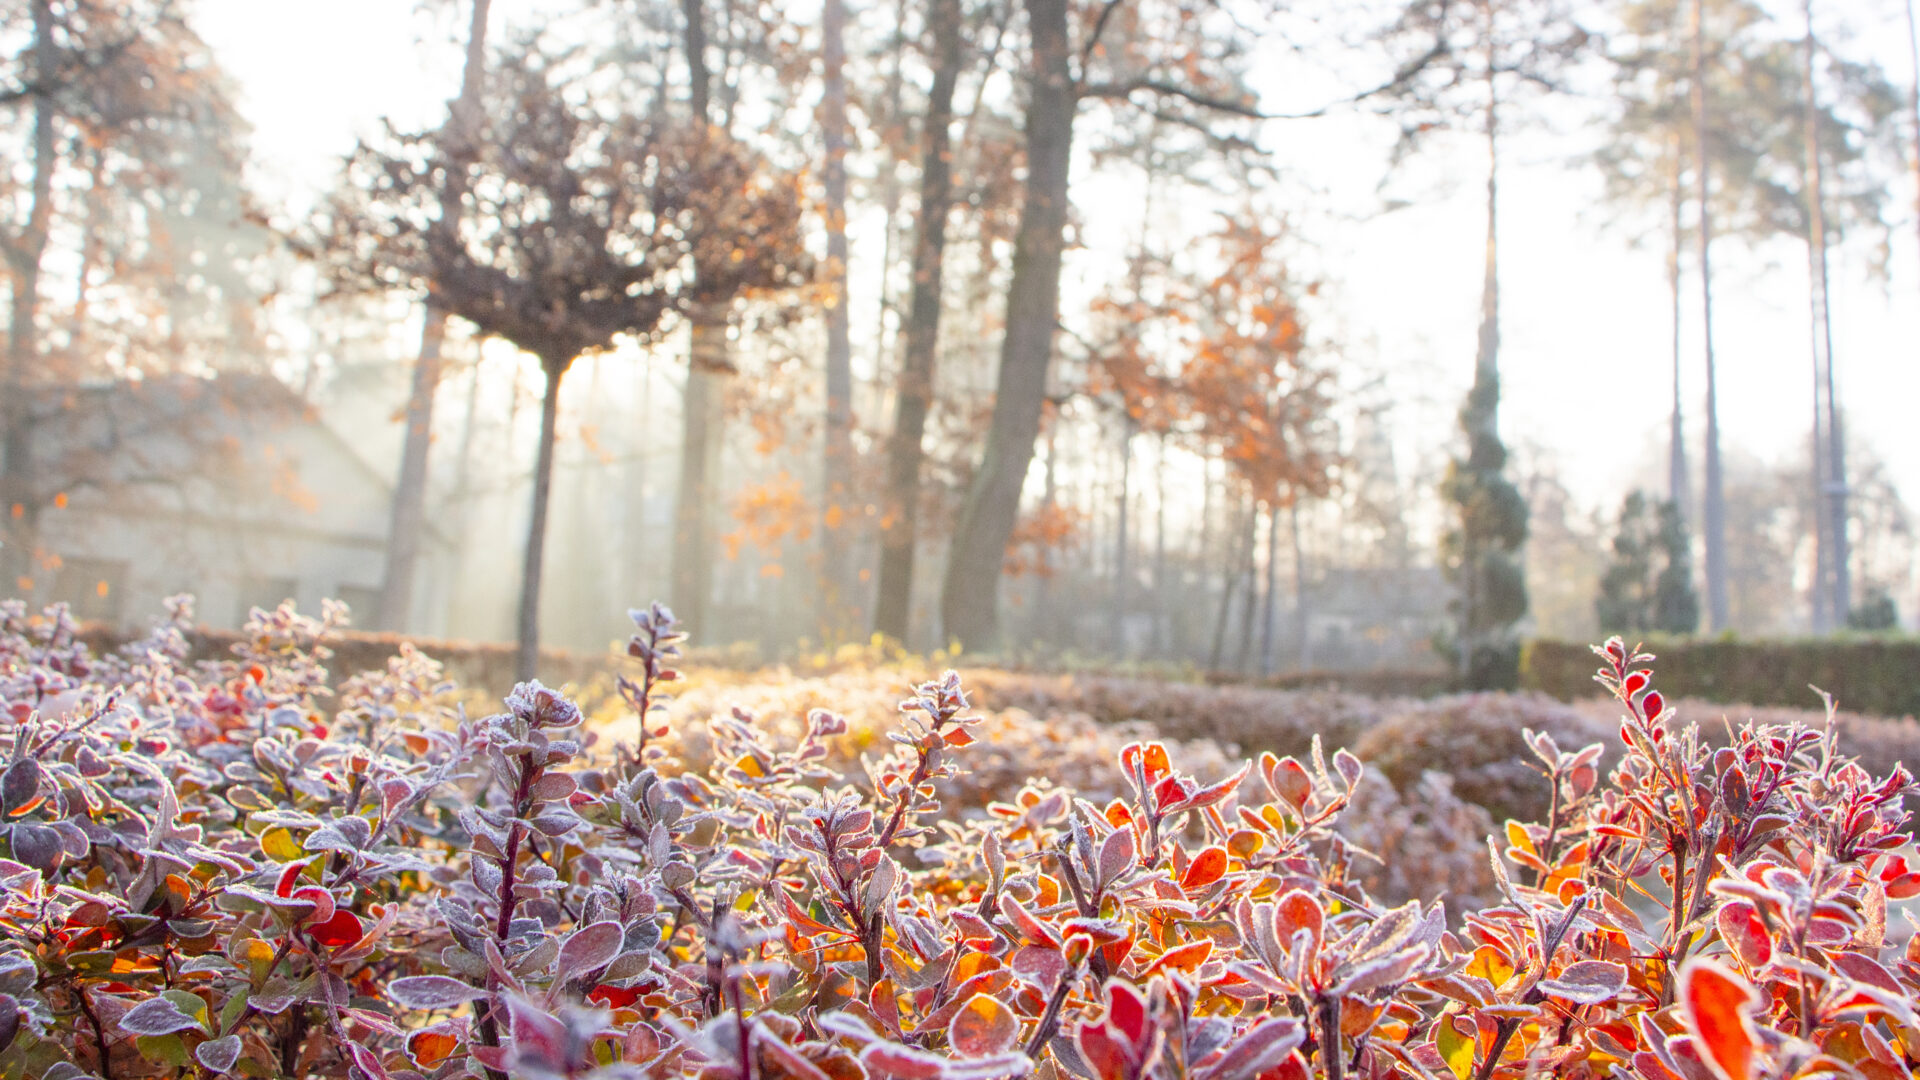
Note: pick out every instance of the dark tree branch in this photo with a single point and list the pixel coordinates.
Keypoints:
(1099, 28)
(1125, 90)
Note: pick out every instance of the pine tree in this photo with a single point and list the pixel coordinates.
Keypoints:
(1482, 552)
(1676, 606)
(1626, 588)
(1648, 584)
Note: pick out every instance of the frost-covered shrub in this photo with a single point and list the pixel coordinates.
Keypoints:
(208, 874)
(1478, 739)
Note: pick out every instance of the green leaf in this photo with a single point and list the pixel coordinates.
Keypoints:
(189, 1003)
(279, 845)
(165, 1049)
(1455, 1049)
(230, 1012)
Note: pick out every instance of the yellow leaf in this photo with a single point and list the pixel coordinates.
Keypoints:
(279, 845)
(1517, 836)
(1490, 965)
(1455, 1049)
(259, 956)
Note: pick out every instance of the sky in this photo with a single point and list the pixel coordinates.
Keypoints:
(1586, 334)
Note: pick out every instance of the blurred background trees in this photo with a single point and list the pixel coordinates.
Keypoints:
(1011, 323)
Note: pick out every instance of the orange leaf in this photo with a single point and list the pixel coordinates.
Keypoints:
(1715, 1002)
(1183, 958)
(1207, 867)
(432, 1046)
(982, 1026)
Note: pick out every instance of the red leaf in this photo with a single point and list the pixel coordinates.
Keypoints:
(342, 930)
(1127, 1013)
(321, 899)
(288, 875)
(1206, 868)
(614, 997)
(1653, 703)
(1714, 1002)
(1744, 933)
(1168, 792)
(1293, 1068)
(1105, 1055)
(1214, 793)
(1151, 757)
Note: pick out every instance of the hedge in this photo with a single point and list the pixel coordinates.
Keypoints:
(1878, 675)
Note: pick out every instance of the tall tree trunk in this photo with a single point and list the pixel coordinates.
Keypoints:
(1830, 469)
(703, 403)
(1162, 633)
(1913, 105)
(1045, 612)
(19, 503)
(409, 512)
(460, 499)
(1251, 572)
(913, 398)
(970, 595)
(1714, 506)
(527, 658)
(836, 466)
(702, 409)
(1270, 608)
(1486, 379)
(1678, 483)
(1122, 564)
(1302, 624)
(633, 484)
(890, 178)
(1229, 577)
(1821, 593)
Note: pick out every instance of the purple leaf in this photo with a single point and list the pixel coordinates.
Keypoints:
(1587, 982)
(432, 992)
(589, 947)
(220, 1054)
(157, 1016)
(1260, 1049)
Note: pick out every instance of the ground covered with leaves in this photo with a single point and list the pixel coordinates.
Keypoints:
(257, 867)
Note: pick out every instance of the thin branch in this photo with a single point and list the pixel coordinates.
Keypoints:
(1099, 27)
(1403, 75)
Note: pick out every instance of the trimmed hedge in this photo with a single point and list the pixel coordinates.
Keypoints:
(1878, 675)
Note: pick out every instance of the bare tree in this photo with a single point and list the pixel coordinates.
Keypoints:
(836, 467)
(131, 124)
(1189, 82)
(410, 492)
(914, 393)
(577, 230)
